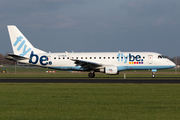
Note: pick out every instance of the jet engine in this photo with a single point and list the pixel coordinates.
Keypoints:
(111, 70)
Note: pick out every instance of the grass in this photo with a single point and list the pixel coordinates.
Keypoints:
(89, 101)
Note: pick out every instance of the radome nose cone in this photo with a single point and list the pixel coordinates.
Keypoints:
(172, 64)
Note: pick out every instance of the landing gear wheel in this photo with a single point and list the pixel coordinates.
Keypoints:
(91, 75)
(153, 75)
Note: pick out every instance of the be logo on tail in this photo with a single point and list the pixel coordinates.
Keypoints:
(21, 46)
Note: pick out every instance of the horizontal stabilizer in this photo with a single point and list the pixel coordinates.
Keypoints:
(11, 56)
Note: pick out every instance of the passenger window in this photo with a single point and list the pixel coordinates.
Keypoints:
(90, 57)
(104, 57)
(54, 57)
(99, 57)
(67, 57)
(76, 57)
(81, 57)
(112, 57)
(94, 57)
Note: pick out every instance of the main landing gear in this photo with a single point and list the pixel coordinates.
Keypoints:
(153, 74)
(91, 75)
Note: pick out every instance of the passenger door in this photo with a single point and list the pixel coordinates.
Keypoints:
(150, 59)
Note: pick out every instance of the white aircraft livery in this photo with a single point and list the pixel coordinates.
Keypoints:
(105, 62)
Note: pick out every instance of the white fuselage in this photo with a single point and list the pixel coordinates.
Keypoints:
(123, 60)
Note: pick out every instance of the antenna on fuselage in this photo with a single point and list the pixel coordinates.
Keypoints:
(68, 55)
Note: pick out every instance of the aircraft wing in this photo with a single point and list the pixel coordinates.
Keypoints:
(86, 65)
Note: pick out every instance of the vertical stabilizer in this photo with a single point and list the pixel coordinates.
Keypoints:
(21, 46)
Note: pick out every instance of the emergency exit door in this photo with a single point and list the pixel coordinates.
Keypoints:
(150, 59)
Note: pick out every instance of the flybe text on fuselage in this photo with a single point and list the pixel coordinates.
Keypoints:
(133, 59)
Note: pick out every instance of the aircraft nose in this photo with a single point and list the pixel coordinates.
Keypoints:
(172, 64)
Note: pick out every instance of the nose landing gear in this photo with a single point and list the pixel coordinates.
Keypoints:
(153, 72)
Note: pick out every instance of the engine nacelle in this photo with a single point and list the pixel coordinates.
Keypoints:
(112, 70)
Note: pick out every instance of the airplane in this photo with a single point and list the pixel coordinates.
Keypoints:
(105, 62)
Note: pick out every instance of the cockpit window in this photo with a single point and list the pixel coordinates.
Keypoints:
(161, 56)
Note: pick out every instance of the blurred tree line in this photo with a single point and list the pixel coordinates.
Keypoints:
(4, 61)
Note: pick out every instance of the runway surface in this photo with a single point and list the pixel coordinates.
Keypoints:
(84, 80)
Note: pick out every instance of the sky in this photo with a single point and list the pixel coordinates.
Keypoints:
(94, 25)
